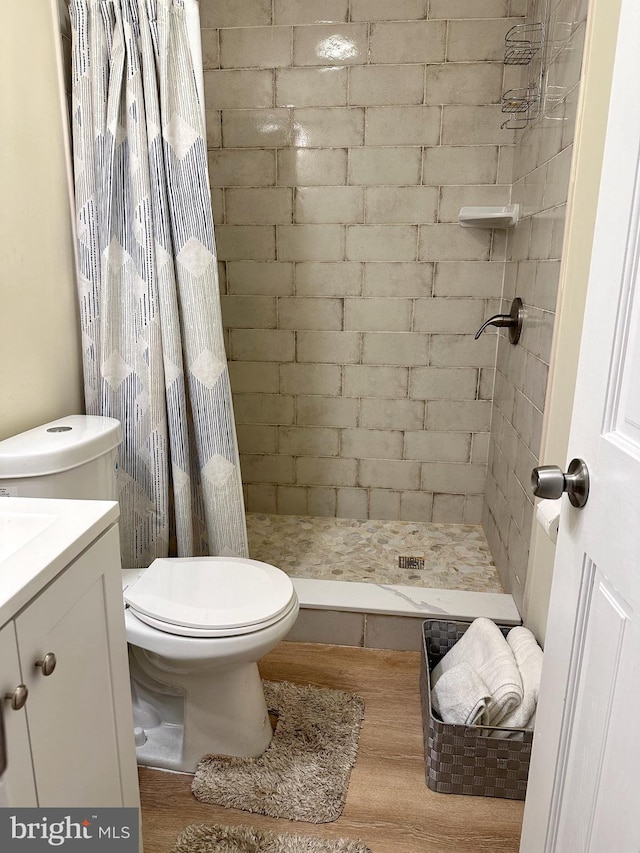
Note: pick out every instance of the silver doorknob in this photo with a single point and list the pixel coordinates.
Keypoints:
(17, 697)
(48, 663)
(549, 482)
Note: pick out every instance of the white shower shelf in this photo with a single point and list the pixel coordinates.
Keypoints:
(489, 217)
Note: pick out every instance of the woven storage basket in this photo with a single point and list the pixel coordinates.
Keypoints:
(467, 759)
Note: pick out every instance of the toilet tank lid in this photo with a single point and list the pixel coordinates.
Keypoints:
(58, 446)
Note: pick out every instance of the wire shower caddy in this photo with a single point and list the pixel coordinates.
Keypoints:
(523, 44)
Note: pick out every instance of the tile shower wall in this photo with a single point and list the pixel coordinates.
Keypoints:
(542, 161)
(344, 136)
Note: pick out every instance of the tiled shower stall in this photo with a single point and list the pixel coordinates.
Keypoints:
(343, 138)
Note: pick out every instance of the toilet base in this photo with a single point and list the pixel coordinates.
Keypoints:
(223, 714)
(162, 748)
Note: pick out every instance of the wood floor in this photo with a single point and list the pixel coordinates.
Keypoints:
(388, 805)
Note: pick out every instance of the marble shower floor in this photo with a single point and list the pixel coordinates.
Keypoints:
(456, 556)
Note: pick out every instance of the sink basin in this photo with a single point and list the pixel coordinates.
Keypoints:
(39, 537)
(17, 529)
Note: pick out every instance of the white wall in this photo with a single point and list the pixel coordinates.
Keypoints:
(40, 366)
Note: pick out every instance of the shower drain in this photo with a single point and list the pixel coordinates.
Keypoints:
(411, 562)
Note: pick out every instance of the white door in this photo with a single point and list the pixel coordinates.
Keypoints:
(584, 783)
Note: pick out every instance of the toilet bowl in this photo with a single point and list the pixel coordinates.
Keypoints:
(196, 626)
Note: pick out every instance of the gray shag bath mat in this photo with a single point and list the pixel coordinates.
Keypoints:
(203, 838)
(304, 772)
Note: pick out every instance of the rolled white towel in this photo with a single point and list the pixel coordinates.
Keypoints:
(460, 695)
(528, 655)
(485, 649)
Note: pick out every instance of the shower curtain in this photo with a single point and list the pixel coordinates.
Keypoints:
(153, 349)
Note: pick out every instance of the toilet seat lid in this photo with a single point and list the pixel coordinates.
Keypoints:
(227, 594)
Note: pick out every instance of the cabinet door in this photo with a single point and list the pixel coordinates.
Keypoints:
(71, 713)
(19, 786)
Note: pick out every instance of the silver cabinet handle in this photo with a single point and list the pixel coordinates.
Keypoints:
(48, 663)
(549, 482)
(17, 697)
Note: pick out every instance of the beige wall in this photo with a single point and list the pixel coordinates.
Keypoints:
(40, 371)
(542, 168)
(340, 155)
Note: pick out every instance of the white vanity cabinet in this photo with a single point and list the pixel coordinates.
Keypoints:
(71, 743)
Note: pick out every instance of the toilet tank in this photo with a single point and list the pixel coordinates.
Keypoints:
(71, 458)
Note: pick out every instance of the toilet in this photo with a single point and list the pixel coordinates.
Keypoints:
(196, 626)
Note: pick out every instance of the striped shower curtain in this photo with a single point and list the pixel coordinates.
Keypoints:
(152, 335)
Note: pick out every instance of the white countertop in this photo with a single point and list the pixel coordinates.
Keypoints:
(39, 538)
